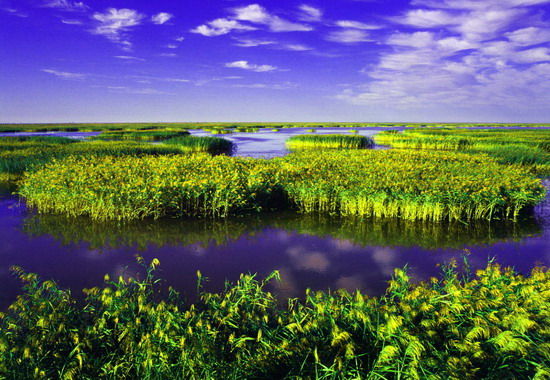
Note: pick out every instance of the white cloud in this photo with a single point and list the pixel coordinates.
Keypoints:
(356, 25)
(168, 55)
(348, 36)
(269, 86)
(67, 5)
(129, 58)
(294, 47)
(529, 36)
(180, 39)
(171, 46)
(65, 74)
(425, 18)
(310, 13)
(252, 67)
(115, 24)
(219, 27)
(161, 18)
(253, 43)
(540, 54)
(257, 14)
(72, 22)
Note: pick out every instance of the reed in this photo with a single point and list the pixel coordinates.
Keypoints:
(214, 145)
(145, 135)
(409, 185)
(491, 325)
(329, 141)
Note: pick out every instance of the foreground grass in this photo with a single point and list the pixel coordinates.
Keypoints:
(331, 141)
(411, 185)
(530, 148)
(494, 325)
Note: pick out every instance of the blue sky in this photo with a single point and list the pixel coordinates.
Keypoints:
(344, 60)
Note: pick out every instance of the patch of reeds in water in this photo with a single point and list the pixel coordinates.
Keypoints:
(214, 145)
(333, 141)
(156, 135)
(491, 325)
(412, 185)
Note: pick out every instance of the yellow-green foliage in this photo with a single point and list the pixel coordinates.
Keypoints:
(329, 141)
(527, 147)
(154, 135)
(408, 184)
(495, 325)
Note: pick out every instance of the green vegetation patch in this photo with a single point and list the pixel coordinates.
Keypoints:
(493, 325)
(214, 145)
(527, 147)
(140, 135)
(329, 141)
(412, 185)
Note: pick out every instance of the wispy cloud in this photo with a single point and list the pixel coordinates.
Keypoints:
(269, 86)
(72, 22)
(114, 24)
(251, 67)
(14, 12)
(129, 58)
(247, 43)
(67, 5)
(348, 36)
(65, 74)
(257, 14)
(310, 13)
(161, 18)
(219, 27)
(350, 24)
(137, 91)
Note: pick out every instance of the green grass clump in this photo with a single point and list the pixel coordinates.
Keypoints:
(412, 185)
(156, 135)
(527, 147)
(18, 157)
(329, 141)
(208, 144)
(493, 325)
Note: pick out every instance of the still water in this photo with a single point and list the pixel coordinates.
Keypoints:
(309, 251)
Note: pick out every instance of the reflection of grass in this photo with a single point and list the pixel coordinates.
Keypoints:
(493, 325)
(529, 148)
(364, 232)
(328, 141)
(412, 185)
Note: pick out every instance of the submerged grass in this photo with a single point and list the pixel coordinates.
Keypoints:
(329, 141)
(493, 325)
(215, 145)
(530, 148)
(412, 185)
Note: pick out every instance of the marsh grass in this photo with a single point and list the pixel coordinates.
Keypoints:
(526, 147)
(332, 141)
(412, 185)
(214, 145)
(493, 324)
(144, 135)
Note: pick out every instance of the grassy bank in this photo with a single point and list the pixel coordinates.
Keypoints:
(493, 325)
(530, 148)
(329, 141)
(411, 185)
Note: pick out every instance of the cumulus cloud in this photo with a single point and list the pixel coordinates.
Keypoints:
(251, 67)
(464, 53)
(161, 18)
(219, 27)
(64, 74)
(115, 24)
